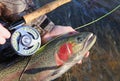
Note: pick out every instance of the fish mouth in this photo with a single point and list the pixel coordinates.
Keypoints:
(90, 41)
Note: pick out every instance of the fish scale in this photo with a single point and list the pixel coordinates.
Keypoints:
(13, 69)
(47, 55)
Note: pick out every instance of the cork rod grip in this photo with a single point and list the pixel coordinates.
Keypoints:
(44, 10)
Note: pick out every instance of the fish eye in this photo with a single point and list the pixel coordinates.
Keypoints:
(79, 39)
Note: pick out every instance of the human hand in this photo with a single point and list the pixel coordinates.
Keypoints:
(4, 34)
(57, 30)
(60, 30)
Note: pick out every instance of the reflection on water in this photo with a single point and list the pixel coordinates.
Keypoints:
(103, 62)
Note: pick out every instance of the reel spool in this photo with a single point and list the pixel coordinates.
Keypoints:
(26, 40)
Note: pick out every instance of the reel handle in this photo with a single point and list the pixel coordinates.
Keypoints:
(44, 10)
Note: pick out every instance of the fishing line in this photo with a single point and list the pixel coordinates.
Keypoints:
(100, 18)
(94, 21)
(85, 24)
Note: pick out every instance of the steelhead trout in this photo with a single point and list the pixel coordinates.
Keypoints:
(52, 60)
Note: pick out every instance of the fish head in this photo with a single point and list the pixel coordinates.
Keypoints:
(82, 41)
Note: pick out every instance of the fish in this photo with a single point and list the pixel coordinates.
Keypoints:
(51, 60)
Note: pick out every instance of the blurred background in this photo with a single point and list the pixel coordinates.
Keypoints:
(103, 62)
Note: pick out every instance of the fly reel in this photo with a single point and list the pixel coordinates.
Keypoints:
(25, 40)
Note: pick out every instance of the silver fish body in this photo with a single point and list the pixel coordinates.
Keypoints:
(43, 66)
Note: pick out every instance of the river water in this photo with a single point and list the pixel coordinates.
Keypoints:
(103, 64)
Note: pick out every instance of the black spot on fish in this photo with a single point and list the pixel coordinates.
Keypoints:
(37, 70)
(54, 73)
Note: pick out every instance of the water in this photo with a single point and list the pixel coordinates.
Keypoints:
(103, 62)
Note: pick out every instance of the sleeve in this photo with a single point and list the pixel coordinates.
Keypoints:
(15, 6)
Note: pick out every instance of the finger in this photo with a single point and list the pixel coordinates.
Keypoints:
(2, 40)
(60, 30)
(46, 38)
(80, 62)
(87, 54)
(4, 32)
